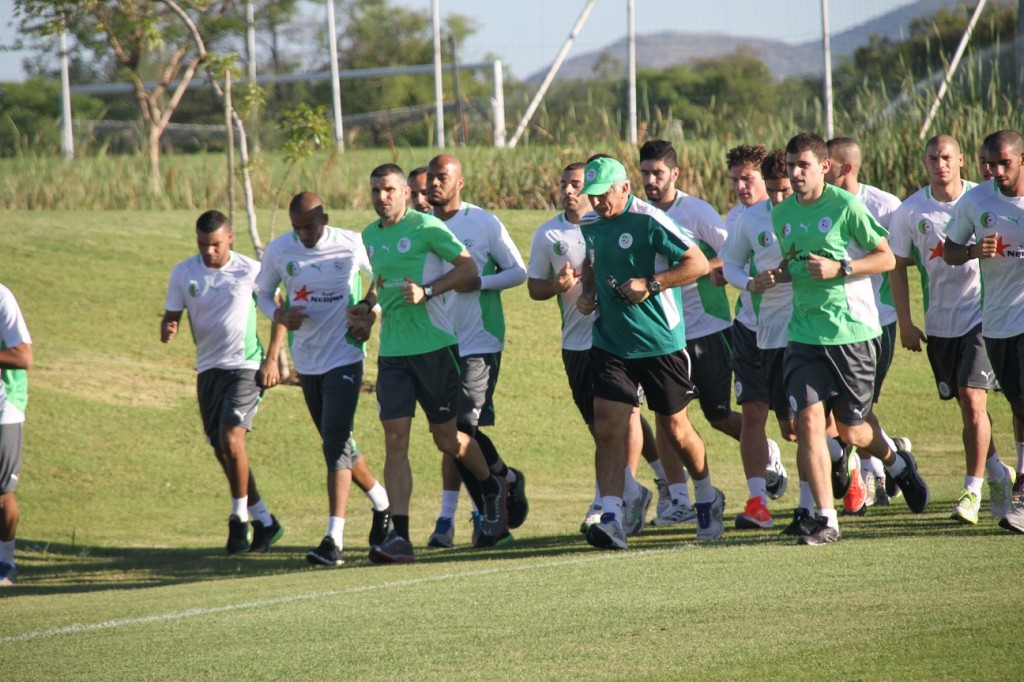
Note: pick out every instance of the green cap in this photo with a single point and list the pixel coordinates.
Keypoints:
(601, 174)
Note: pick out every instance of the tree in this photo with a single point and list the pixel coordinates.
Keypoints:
(145, 41)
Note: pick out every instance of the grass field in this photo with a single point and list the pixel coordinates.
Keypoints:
(124, 577)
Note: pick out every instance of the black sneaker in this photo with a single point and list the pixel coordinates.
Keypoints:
(483, 541)
(264, 536)
(841, 473)
(823, 534)
(518, 506)
(238, 535)
(394, 550)
(327, 554)
(380, 526)
(803, 524)
(910, 482)
(496, 510)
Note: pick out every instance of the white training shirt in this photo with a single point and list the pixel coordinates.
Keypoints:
(753, 238)
(952, 302)
(13, 332)
(221, 310)
(882, 205)
(985, 211)
(477, 315)
(701, 223)
(554, 244)
(745, 312)
(325, 279)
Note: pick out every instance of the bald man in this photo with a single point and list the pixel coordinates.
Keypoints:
(990, 216)
(952, 321)
(320, 267)
(476, 311)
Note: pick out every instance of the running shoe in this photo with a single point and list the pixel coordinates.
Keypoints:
(776, 479)
(1014, 521)
(678, 512)
(664, 497)
(967, 507)
(380, 526)
(855, 499)
(394, 550)
(910, 482)
(264, 536)
(1001, 494)
(822, 534)
(841, 473)
(327, 554)
(444, 533)
(755, 515)
(802, 524)
(518, 506)
(8, 574)
(634, 511)
(709, 517)
(239, 536)
(495, 509)
(607, 533)
(593, 516)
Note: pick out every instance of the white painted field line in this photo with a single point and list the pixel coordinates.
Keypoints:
(261, 603)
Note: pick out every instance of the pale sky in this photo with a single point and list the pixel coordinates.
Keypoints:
(527, 34)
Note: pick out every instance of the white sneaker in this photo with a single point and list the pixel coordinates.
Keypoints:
(607, 533)
(634, 511)
(677, 512)
(664, 496)
(1001, 494)
(709, 517)
(967, 507)
(775, 476)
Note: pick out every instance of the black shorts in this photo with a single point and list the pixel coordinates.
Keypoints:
(1007, 358)
(332, 398)
(432, 379)
(478, 375)
(772, 362)
(711, 373)
(751, 383)
(665, 379)
(960, 361)
(10, 457)
(885, 349)
(842, 377)
(581, 381)
(227, 398)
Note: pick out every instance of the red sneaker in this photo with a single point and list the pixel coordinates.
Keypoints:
(855, 499)
(755, 515)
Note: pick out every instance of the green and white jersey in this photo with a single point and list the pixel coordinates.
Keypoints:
(554, 244)
(985, 211)
(14, 384)
(221, 307)
(326, 280)
(639, 242)
(882, 205)
(417, 247)
(952, 294)
(752, 240)
(705, 306)
(841, 310)
(477, 315)
(746, 306)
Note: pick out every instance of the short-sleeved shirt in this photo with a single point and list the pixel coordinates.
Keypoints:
(752, 240)
(13, 382)
(221, 305)
(417, 247)
(639, 242)
(835, 311)
(746, 304)
(985, 211)
(554, 244)
(325, 279)
(882, 205)
(952, 294)
(705, 306)
(478, 315)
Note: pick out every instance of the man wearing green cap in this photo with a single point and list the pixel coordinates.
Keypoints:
(636, 260)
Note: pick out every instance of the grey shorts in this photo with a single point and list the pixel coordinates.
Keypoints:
(772, 362)
(227, 398)
(960, 361)
(1007, 358)
(332, 398)
(478, 377)
(711, 362)
(751, 384)
(842, 377)
(581, 381)
(10, 457)
(885, 349)
(432, 379)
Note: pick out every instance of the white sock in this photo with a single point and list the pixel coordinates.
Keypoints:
(7, 552)
(995, 469)
(1020, 456)
(596, 504)
(835, 450)
(658, 468)
(756, 486)
(336, 529)
(631, 489)
(888, 441)
(897, 467)
(703, 491)
(612, 505)
(806, 497)
(831, 517)
(973, 485)
(378, 497)
(449, 503)
(239, 507)
(874, 465)
(259, 512)
(680, 493)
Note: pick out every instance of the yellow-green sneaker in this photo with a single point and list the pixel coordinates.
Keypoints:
(1001, 493)
(967, 507)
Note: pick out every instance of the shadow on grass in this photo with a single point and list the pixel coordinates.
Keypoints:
(61, 568)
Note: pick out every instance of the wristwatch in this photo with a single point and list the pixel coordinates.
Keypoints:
(845, 267)
(653, 286)
(428, 292)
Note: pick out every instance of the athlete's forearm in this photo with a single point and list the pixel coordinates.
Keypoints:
(19, 357)
(692, 266)
(463, 273)
(955, 254)
(900, 286)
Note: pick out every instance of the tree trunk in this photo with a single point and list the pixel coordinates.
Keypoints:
(153, 151)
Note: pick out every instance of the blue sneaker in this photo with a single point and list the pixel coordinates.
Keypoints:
(8, 574)
(444, 533)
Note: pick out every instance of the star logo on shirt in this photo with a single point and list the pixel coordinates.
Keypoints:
(936, 252)
(1001, 246)
(302, 294)
(793, 253)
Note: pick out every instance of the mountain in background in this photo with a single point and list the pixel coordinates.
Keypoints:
(669, 48)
